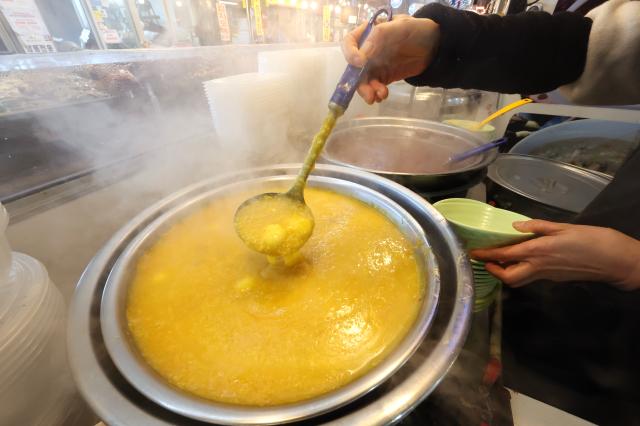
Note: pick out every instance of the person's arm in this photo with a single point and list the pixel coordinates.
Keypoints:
(565, 252)
(528, 53)
(593, 59)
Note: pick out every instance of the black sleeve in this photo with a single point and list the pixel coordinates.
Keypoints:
(527, 53)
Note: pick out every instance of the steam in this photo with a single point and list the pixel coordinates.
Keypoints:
(271, 115)
(181, 133)
(154, 136)
(266, 112)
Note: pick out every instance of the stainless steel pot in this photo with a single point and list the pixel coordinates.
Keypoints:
(429, 103)
(126, 357)
(357, 143)
(542, 188)
(597, 145)
(117, 401)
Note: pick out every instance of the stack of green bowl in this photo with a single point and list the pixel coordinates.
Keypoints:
(486, 286)
(479, 225)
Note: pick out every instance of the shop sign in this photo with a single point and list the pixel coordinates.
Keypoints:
(110, 36)
(25, 20)
(98, 15)
(223, 22)
(326, 22)
(257, 14)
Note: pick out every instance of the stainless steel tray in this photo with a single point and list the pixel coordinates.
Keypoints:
(116, 402)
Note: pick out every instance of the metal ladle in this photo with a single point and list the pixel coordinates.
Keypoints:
(279, 239)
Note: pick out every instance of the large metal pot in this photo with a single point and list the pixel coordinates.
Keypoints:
(598, 145)
(428, 103)
(408, 151)
(118, 400)
(542, 188)
(123, 352)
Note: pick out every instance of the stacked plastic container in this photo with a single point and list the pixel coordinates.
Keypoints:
(251, 114)
(35, 384)
(305, 73)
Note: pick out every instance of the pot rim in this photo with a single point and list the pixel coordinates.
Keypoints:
(575, 170)
(126, 358)
(487, 157)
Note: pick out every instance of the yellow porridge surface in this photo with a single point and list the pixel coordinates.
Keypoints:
(221, 321)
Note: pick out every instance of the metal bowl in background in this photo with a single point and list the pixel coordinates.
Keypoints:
(460, 104)
(597, 145)
(542, 188)
(411, 152)
(125, 355)
(116, 401)
(429, 103)
(405, 100)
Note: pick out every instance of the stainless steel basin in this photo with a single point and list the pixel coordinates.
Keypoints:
(118, 402)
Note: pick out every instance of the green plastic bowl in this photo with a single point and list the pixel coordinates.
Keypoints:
(480, 225)
(482, 303)
(482, 292)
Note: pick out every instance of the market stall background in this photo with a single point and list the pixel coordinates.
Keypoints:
(103, 110)
(41, 26)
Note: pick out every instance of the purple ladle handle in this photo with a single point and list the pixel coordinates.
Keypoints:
(478, 150)
(350, 79)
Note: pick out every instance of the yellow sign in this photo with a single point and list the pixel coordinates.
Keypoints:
(326, 23)
(257, 15)
(282, 3)
(223, 22)
(98, 15)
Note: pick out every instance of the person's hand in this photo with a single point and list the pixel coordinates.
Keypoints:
(394, 50)
(565, 252)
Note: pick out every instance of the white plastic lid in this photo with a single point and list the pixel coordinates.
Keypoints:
(5, 249)
(33, 370)
(24, 297)
(4, 218)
